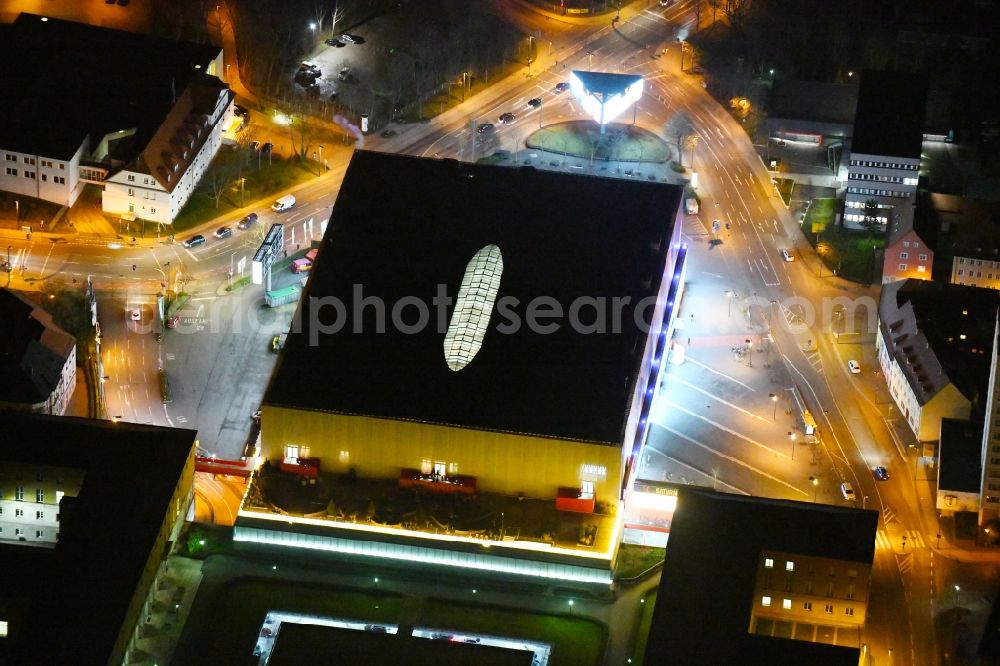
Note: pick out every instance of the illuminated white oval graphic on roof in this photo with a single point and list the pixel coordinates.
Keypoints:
(473, 307)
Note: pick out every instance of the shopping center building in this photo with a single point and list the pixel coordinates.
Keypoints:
(471, 368)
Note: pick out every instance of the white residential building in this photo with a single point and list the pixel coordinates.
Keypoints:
(29, 501)
(157, 184)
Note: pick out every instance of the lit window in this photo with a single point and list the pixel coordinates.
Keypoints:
(921, 269)
(586, 490)
(345, 456)
(962, 336)
(768, 563)
(3, 628)
(593, 472)
(425, 466)
(39, 495)
(473, 307)
(789, 566)
(786, 604)
(19, 493)
(765, 601)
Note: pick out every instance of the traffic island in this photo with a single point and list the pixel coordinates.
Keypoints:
(618, 143)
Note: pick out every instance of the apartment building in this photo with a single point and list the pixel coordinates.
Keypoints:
(37, 358)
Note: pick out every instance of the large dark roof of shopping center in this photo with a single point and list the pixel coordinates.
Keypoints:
(77, 594)
(706, 596)
(890, 115)
(404, 225)
(61, 81)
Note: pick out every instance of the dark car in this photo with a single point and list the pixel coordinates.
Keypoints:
(241, 110)
(247, 221)
(442, 637)
(223, 232)
(267, 147)
(336, 43)
(562, 86)
(486, 128)
(535, 103)
(507, 118)
(881, 473)
(194, 241)
(376, 629)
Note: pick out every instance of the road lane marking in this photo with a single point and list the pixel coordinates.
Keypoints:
(736, 461)
(678, 380)
(721, 374)
(724, 428)
(677, 461)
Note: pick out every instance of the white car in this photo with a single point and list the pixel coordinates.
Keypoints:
(787, 256)
(847, 490)
(135, 314)
(854, 367)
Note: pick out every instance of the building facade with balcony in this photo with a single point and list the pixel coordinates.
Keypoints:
(477, 399)
(934, 347)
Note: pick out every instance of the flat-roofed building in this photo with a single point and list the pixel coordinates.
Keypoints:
(113, 496)
(762, 581)
(420, 360)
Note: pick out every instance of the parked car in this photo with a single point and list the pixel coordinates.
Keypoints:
(534, 103)
(345, 73)
(135, 314)
(284, 203)
(485, 128)
(194, 241)
(174, 321)
(336, 43)
(267, 147)
(787, 256)
(442, 637)
(376, 629)
(562, 86)
(847, 490)
(247, 221)
(507, 118)
(352, 39)
(223, 232)
(309, 66)
(241, 110)
(881, 473)
(854, 367)
(278, 342)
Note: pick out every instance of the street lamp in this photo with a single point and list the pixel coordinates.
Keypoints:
(791, 440)
(749, 353)
(465, 79)
(590, 60)
(815, 482)
(312, 26)
(729, 293)
(774, 415)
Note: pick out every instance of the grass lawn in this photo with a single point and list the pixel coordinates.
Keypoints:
(240, 607)
(850, 254)
(270, 179)
(576, 641)
(634, 559)
(642, 631)
(785, 187)
(821, 215)
(582, 138)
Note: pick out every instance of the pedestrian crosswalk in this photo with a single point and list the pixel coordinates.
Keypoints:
(899, 541)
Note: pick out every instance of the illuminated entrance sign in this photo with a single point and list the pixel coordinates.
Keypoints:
(603, 95)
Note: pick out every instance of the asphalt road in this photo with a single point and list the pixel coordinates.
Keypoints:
(220, 365)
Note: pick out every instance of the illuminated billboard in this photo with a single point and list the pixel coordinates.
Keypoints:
(605, 96)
